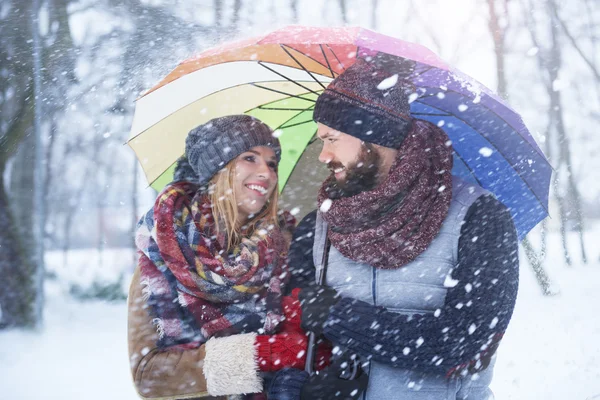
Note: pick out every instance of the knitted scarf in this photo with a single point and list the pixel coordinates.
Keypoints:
(389, 226)
(195, 289)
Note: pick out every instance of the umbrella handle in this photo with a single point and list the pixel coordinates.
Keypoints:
(310, 353)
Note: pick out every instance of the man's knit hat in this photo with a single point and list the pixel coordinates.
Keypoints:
(210, 146)
(370, 101)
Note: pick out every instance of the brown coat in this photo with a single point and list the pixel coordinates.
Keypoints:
(160, 374)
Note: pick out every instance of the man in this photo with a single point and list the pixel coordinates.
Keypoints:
(422, 267)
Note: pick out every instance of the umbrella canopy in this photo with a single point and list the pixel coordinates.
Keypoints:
(277, 78)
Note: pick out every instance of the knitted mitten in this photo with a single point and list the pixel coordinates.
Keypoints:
(288, 348)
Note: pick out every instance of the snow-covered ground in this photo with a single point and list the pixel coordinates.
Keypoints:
(551, 350)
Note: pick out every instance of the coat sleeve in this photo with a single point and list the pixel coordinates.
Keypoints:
(465, 332)
(186, 373)
(300, 255)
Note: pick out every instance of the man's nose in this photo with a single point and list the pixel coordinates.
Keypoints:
(325, 156)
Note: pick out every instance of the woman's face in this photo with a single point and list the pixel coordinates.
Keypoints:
(255, 179)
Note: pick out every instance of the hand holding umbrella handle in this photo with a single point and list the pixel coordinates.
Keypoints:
(311, 349)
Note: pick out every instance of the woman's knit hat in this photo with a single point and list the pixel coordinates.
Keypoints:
(210, 146)
(370, 101)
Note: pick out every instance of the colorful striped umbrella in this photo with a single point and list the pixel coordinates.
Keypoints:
(277, 78)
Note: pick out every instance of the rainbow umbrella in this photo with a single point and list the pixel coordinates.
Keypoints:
(277, 78)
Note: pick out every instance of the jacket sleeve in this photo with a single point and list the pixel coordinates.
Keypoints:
(186, 373)
(464, 333)
(300, 255)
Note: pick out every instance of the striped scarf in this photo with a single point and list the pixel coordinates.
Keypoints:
(195, 289)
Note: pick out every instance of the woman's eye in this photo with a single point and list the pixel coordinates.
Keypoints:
(249, 158)
(331, 140)
(273, 166)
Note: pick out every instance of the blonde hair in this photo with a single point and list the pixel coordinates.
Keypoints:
(225, 207)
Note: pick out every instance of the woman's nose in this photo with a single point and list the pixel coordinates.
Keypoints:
(264, 170)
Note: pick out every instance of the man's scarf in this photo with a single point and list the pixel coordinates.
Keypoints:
(389, 226)
(195, 288)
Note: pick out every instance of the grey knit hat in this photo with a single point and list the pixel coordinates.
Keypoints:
(210, 146)
(370, 100)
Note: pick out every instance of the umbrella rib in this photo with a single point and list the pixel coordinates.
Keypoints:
(427, 69)
(432, 114)
(286, 78)
(336, 57)
(280, 109)
(503, 156)
(296, 124)
(302, 66)
(288, 120)
(308, 56)
(327, 60)
(468, 167)
(493, 112)
(280, 92)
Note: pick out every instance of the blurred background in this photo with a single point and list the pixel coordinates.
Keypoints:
(71, 190)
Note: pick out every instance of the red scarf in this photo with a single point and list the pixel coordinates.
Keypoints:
(389, 226)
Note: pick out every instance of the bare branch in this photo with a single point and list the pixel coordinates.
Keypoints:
(574, 43)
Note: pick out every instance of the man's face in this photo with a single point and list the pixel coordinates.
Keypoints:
(353, 163)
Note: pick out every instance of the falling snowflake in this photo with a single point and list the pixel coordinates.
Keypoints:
(449, 282)
(388, 82)
(326, 205)
(485, 151)
(472, 329)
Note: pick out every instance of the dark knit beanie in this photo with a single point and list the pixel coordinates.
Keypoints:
(210, 146)
(370, 101)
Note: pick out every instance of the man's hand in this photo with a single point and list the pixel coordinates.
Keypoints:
(294, 384)
(316, 304)
(327, 384)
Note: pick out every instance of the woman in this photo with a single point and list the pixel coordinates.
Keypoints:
(211, 271)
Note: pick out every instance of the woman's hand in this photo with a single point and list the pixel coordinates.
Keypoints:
(288, 348)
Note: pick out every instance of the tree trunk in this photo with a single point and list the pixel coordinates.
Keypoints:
(549, 63)
(134, 207)
(18, 306)
(498, 34)
(218, 4)
(563, 140)
(343, 11)
(536, 261)
(374, 8)
(17, 292)
(294, 5)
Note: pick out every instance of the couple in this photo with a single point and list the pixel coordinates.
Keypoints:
(422, 267)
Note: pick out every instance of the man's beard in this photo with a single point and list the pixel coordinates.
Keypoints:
(361, 176)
